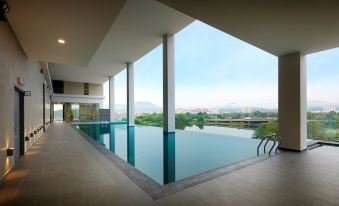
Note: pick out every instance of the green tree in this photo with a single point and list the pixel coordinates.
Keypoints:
(315, 130)
(264, 129)
(180, 121)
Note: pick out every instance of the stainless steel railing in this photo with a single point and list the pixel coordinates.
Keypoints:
(275, 138)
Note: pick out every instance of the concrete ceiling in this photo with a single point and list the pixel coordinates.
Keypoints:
(137, 30)
(101, 37)
(75, 73)
(38, 24)
(276, 26)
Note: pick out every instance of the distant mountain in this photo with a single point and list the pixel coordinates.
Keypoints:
(259, 109)
(230, 110)
(321, 104)
(147, 107)
(238, 109)
(140, 107)
(233, 105)
(311, 106)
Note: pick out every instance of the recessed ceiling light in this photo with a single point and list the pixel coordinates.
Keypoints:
(61, 41)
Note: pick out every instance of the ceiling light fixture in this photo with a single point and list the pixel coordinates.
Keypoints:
(61, 41)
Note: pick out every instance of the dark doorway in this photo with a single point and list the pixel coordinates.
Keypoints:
(19, 142)
(51, 110)
(63, 112)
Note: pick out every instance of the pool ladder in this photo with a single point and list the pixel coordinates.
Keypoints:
(275, 138)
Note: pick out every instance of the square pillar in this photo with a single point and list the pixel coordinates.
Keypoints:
(111, 99)
(169, 157)
(292, 115)
(130, 94)
(168, 84)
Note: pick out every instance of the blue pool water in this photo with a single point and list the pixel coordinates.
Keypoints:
(169, 157)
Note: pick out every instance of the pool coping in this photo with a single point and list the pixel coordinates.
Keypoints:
(157, 191)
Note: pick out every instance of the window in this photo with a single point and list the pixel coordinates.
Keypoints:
(86, 89)
(322, 95)
(58, 86)
(75, 111)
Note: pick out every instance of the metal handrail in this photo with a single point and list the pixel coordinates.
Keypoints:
(269, 153)
(279, 142)
(261, 143)
(276, 138)
(270, 137)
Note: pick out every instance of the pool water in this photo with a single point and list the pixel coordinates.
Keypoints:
(169, 157)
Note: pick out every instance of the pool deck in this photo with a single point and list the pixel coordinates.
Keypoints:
(63, 168)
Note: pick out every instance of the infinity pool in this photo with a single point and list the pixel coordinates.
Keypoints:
(169, 157)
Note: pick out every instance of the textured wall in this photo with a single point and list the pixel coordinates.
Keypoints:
(13, 63)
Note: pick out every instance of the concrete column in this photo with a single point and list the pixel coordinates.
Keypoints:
(130, 94)
(111, 99)
(168, 84)
(169, 157)
(112, 137)
(292, 115)
(131, 146)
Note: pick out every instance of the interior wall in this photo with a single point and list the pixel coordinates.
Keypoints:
(77, 88)
(73, 88)
(96, 89)
(14, 63)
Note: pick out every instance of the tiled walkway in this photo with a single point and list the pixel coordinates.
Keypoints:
(62, 168)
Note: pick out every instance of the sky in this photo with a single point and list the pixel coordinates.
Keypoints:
(214, 69)
(323, 76)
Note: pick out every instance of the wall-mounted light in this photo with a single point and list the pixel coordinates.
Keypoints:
(31, 134)
(35, 131)
(27, 93)
(20, 81)
(26, 138)
(10, 152)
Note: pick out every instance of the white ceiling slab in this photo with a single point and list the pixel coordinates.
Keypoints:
(137, 30)
(38, 24)
(276, 26)
(75, 74)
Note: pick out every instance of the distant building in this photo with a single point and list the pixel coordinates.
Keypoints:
(246, 110)
(329, 109)
(196, 110)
